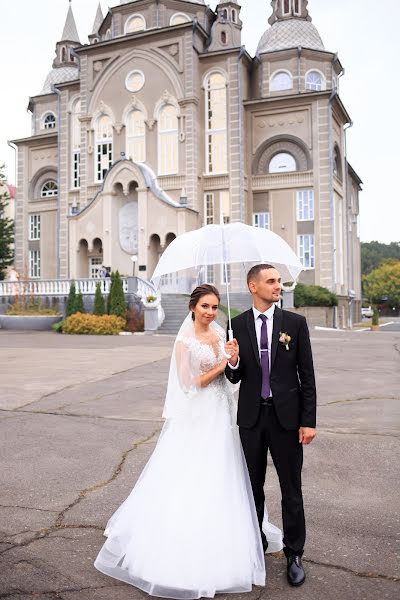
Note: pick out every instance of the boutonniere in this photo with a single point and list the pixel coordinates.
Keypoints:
(284, 339)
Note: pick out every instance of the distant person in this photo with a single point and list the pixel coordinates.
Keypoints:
(13, 276)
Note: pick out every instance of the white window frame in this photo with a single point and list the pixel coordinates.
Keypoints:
(210, 274)
(166, 133)
(135, 137)
(322, 85)
(305, 205)
(34, 264)
(52, 124)
(228, 272)
(95, 264)
(103, 146)
(272, 86)
(179, 14)
(210, 132)
(53, 193)
(76, 168)
(261, 220)
(306, 250)
(34, 227)
(289, 11)
(297, 13)
(225, 217)
(143, 80)
(209, 217)
(130, 18)
(234, 15)
(282, 170)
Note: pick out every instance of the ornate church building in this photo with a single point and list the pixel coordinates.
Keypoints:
(163, 122)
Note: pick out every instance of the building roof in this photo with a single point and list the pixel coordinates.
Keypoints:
(59, 75)
(98, 19)
(192, 1)
(290, 33)
(70, 32)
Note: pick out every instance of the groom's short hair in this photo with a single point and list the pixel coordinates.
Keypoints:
(256, 270)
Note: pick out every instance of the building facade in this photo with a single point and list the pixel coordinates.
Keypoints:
(163, 123)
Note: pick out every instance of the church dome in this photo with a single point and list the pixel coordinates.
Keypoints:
(59, 75)
(290, 33)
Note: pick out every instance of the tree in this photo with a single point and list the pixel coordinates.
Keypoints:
(99, 305)
(383, 283)
(6, 231)
(79, 305)
(117, 297)
(373, 253)
(71, 302)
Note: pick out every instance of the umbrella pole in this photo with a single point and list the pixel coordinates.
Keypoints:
(230, 331)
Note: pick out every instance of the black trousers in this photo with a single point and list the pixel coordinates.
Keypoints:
(287, 455)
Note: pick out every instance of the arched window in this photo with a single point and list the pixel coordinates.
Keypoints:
(216, 124)
(76, 144)
(136, 136)
(337, 163)
(234, 15)
(296, 7)
(179, 18)
(286, 7)
(104, 146)
(224, 14)
(135, 23)
(49, 189)
(314, 81)
(49, 121)
(63, 53)
(281, 81)
(168, 155)
(282, 163)
(108, 34)
(223, 37)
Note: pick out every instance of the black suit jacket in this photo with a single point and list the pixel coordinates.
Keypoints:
(292, 373)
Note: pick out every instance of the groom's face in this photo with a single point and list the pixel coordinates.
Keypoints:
(267, 286)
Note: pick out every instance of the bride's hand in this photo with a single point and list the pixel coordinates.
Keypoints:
(222, 365)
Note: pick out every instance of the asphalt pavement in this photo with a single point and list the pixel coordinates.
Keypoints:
(80, 416)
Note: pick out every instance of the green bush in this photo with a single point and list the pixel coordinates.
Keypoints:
(83, 324)
(99, 307)
(313, 295)
(79, 306)
(58, 326)
(70, 310)
(116, 299)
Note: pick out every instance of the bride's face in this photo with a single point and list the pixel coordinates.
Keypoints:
(206, 309)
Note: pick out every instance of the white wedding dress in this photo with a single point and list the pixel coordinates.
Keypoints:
(189, 527)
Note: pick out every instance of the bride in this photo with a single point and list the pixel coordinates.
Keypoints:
(189, 527)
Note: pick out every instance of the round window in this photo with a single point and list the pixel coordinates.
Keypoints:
(134, 81)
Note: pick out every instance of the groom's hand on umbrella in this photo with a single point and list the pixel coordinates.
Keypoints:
(232, 348)
(306, 435)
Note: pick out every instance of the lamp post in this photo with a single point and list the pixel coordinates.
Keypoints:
(134, 259)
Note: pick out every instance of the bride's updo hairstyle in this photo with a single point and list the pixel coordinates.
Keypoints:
(199, 292)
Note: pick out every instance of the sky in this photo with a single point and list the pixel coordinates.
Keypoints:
(363, 32)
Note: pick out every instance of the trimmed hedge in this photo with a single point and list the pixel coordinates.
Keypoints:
(313, 295)
(84, 324)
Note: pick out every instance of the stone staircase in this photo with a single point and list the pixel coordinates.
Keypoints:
(176, 310)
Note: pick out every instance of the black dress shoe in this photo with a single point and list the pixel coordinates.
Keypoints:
(295, 571)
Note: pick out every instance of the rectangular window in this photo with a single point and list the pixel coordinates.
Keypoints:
(34, 264)
(305, 205)
(261, 219)
(34, 227)
(225, 203)
(208, 209)
(225, 275)
(305, 245)
(210, 274)
(103, 159)
(94, 266)
(76, 169)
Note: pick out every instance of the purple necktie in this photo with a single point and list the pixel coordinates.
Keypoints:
(265, 387)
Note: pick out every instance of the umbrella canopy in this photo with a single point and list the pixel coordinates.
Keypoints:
(228, 244)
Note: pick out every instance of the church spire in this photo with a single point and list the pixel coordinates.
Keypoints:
(70, 32)
(98, 20)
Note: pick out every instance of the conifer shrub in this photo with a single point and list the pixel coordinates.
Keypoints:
(70, 309)
(117, 303)
(99, 307)
(79, 305)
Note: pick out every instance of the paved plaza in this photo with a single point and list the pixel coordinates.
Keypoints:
(80, 416)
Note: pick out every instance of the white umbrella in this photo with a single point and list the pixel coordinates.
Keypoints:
(228, 244)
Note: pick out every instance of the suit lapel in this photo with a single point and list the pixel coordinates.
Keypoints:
(252, 333)
(277, 328)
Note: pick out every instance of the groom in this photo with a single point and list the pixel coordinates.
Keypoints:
(277, 402)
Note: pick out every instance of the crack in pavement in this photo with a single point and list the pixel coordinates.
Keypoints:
(43, 533)
(85, 416)
(363, 574)
(71, 386)
(359, 399)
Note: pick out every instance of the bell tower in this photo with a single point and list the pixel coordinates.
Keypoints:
(227, 28)
(69, 40)
(289, 9)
